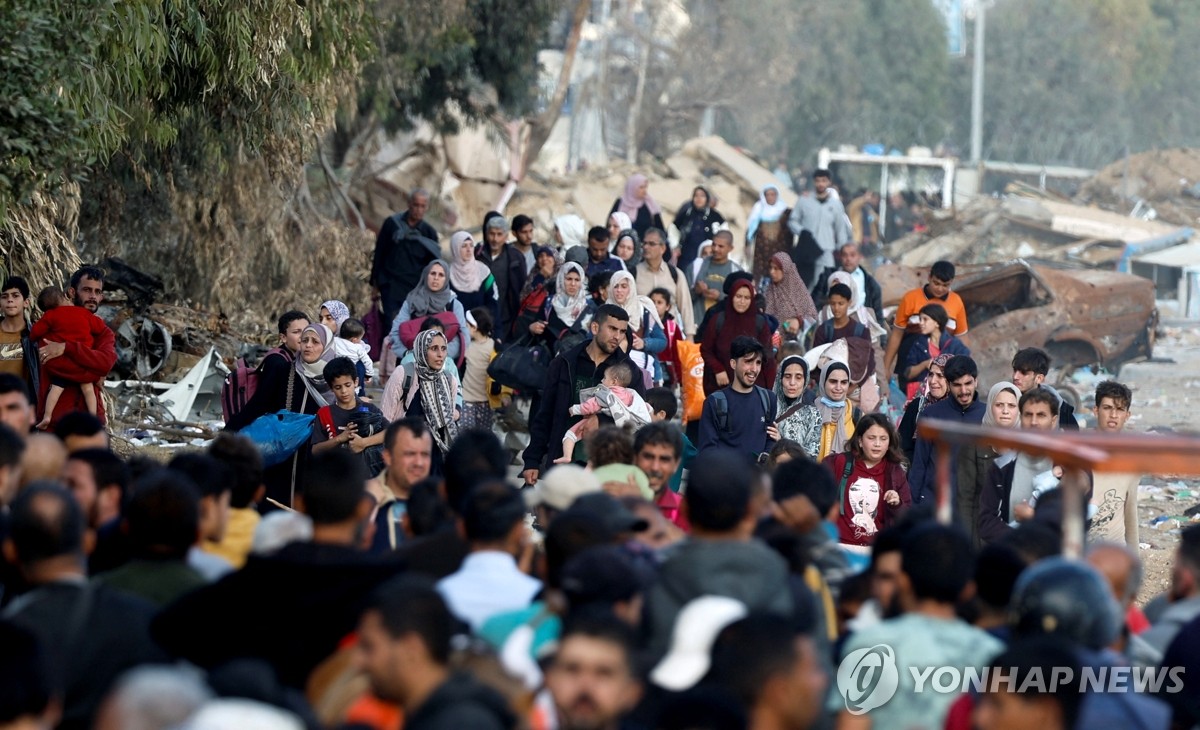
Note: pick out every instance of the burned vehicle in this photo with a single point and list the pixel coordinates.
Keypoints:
(1079, 316)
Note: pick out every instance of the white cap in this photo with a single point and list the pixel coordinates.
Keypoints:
(696, 628)
(561, 485)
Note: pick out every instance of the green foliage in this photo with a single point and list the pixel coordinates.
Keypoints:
(438, 60)
(188, 83)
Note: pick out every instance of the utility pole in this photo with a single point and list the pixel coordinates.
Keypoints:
(977, 85)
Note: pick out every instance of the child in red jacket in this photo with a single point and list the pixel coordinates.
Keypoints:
(64, 322)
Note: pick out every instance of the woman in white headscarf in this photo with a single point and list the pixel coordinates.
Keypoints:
(838, 414)
(646, 336)
(857, 312)
(316, 350)
(470, 279)
(766, 229)
(570, 233)
(571, 307)
(617, 222)
(975, 461)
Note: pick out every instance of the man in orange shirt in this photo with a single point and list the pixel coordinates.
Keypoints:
(907, 323)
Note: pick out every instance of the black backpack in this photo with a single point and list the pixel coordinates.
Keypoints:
(721, 407)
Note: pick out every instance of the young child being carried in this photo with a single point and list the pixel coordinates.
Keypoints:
(349, 343)
(614, 399)
(64, 322)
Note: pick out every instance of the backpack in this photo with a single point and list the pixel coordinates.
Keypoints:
(859, 330)
(240, 384)
(721, 407)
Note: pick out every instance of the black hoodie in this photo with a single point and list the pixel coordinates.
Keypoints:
(462, 702)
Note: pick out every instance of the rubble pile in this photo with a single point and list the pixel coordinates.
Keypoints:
(1165, 181)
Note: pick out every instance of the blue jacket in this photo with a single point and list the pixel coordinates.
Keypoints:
(919, 352)
(922, 473)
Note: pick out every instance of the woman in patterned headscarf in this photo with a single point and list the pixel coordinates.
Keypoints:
(427, 392)
(934, 389)
(333, 314)
(787, 299)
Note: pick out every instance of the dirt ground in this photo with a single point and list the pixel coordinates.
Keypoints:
(1163, 389)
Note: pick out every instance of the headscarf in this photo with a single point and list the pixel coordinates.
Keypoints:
(926, 398)
(568, 308)
(422, 301)
(997, 389)
(764, 212)
(832, 411)
(339, 311)
(637, 246)
(623, 222)
(315, 372)
(784, 401)
(573, 230)
(789, 298)
(630, 204)
(467, 273)
(437, 392)
(863, 314)
(635, 305)
(689, 213)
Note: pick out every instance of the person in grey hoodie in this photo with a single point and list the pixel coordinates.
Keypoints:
(720, 557)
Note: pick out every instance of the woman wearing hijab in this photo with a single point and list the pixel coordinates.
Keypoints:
(431, 297)
(427, 392)
(857, 312)
(628, 248)
(975, 461)
(571, 308)
(787, 299)
(696, 221)
(636, 203)
(738, 315)
(934, 390)
(645, 336)
(617, 222)
(702, 253)
(766, 229)
(536, 294)
(838, 414)
(333, 313)
(570, 233)
(470, 279)
(797, 421)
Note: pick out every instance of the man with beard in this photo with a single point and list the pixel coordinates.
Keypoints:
(405, 246)
(962, 406)
(592, 678)
(582, 366)
(74, 361)
(741, 416)
(658, 449)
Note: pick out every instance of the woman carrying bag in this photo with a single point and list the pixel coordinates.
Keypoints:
(428, 393)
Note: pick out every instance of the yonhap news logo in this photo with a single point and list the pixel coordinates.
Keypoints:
(868, 678)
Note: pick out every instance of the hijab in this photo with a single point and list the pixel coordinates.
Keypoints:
(636, 306)
(784, 401)
(572, 228)
(314, 373)
(863, 314)
(623, 222)
(467, 273)
(437, 392)
(789, 298)
(689, 212)
(568, 308)
(339, 311)
(997, 389)
(422, 301)
(764, 212)
(926, 397)
(630, 204)
(833, 411)
(637, 247)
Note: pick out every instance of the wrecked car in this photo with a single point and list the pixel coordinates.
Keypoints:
(1079, 316)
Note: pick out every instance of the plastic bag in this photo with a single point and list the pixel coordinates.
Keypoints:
(691, 379)
(278, 435)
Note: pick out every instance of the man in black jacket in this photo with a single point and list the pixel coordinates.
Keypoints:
(508, 267)
(870, 294)
(580, 367)
(1030, 367)
(18, 355)
(404, 247)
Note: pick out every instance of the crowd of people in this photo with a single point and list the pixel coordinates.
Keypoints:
(680, 543)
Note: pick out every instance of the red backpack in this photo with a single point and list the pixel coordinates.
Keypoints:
(239, 385)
